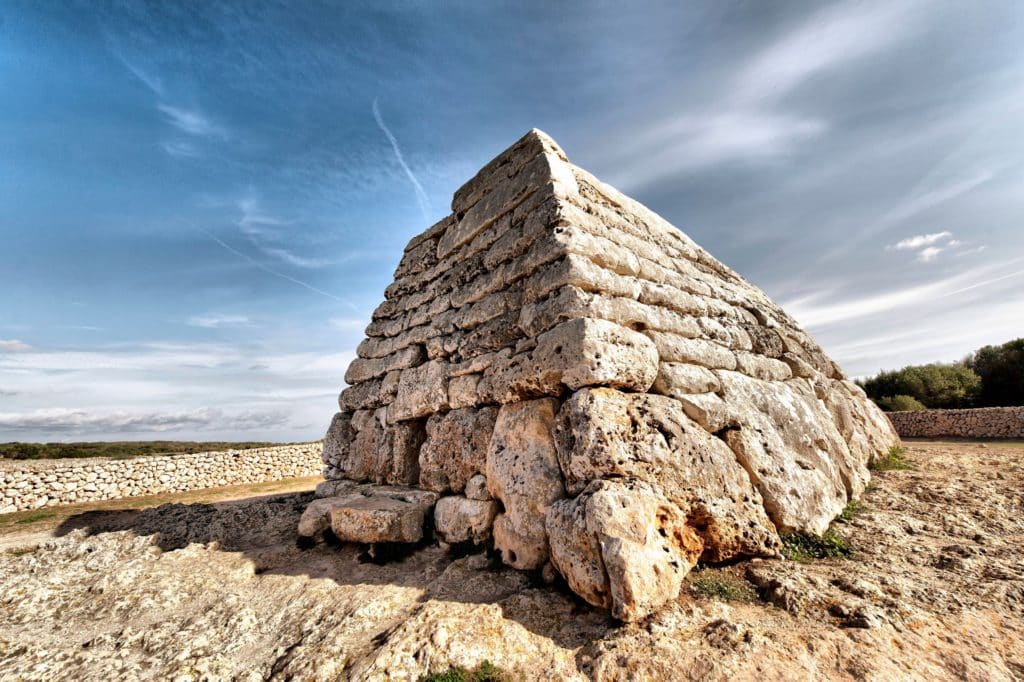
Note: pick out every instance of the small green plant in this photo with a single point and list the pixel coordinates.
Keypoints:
(804, 547)
(485, 672)
(723, 587)
(901, 403)
(894, 460)
(850, 511)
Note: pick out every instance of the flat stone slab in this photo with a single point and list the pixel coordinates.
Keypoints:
(381, 514)
(369, 513)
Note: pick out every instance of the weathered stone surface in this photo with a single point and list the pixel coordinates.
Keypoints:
(455, 448)
(523, 473)
(601, 433)
(553, 334)
(676, 379)
(422, 391)
(381, 514)
(789, 444)
(459, 519)
(622, 545)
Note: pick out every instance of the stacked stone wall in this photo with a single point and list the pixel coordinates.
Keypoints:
(32, 484)
(982, 422)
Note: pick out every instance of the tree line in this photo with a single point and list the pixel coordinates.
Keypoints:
(992, 376)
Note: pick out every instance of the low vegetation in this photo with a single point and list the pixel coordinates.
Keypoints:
(722, 586)
(992, 376)
(485, 672)
(805, 547)
(894, 460)
(850, 511)
(118, 449)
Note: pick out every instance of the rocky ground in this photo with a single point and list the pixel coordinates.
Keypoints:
(933, 590)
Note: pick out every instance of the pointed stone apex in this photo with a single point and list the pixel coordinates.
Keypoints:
(504, 165)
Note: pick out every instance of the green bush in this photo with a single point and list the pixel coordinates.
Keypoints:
(935, 385)
(900, 403)
(1001, 369)
(118, 449)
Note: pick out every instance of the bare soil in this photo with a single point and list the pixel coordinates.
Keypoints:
(197, 590)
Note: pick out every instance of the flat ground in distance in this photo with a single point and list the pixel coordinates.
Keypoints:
(934, 589)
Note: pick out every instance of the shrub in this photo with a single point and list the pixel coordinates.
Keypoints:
(935, 385)
(893, 460)
(900, 403)
(1001, 369)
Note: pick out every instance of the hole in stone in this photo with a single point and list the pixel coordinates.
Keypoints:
(511, 557)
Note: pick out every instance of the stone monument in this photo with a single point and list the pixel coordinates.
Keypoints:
(559, 372)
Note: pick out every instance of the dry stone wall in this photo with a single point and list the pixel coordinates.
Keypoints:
(31, 484)
(590, 391)
(982, 422)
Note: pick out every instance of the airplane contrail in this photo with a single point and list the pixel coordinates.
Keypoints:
(270, 270)
(421, 196)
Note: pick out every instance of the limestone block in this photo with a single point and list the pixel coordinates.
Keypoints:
(796, 456)
(708, 410)
(760, 367)
(675, 348)
(638, 551)
(458, 519)
(381, 514)
(602, 433)
(476, 488)
(593, 352)
(522, 472)
(339, 436)
(462, 391)
(421, 391)
(362, 369)
(677, 378)
(455, 447)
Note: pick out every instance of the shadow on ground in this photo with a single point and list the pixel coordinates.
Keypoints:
(263, 529)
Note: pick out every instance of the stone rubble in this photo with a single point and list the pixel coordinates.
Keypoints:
(589, 390)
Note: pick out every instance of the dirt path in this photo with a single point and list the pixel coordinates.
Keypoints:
(934, 590)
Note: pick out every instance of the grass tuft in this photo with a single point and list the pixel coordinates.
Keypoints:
(850, 511)
(36, 516)
(894, 460)
(723, 587)
(485, 672)
(805, 547)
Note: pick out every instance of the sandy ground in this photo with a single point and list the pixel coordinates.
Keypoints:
(221, 591)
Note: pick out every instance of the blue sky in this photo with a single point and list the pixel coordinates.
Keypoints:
(200, 204)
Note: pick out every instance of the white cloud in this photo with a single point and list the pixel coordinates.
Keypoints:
(929, 254)
(13, 346)
(66, 420)
(215, 321)
(190, 121)
(919, 240)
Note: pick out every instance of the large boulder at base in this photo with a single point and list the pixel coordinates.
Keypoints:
(574, 380)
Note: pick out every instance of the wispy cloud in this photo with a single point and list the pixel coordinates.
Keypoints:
(217, 321)
(929, 246)
(191, 121)
(271, 271)
(13, 346)
(421, 196)
(830, 38)
(919, 240)
(266, 231)
(181, 150)
(68, 420)
(813, 311)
